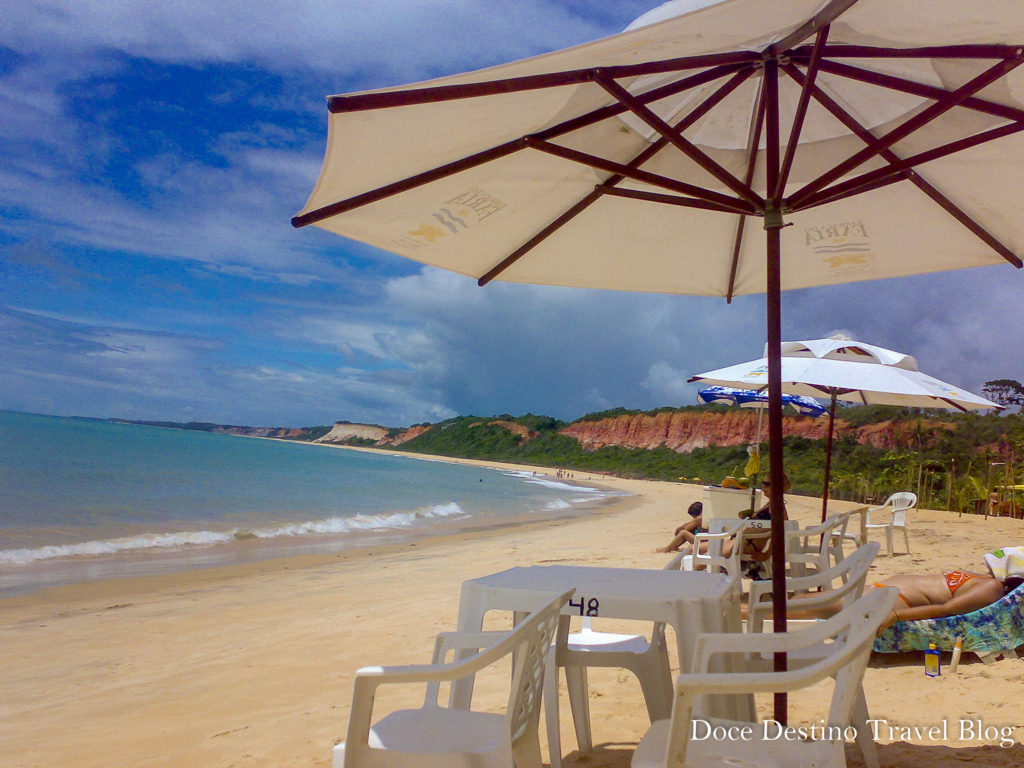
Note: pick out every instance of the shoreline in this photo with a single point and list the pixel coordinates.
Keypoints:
(48, 572)
(252, 664)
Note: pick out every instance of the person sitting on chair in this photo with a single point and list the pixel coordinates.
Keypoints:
(684, 533)
(758, 547)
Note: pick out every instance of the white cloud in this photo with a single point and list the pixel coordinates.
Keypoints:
(395, 39)
(393, 343)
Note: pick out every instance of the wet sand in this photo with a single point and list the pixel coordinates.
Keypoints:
(252, 664)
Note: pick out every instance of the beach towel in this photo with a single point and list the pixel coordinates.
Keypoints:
(1006, 562)
(996, 627)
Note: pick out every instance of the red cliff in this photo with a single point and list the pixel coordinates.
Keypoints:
(685, 431)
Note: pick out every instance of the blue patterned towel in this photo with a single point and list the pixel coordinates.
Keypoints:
(996, 627)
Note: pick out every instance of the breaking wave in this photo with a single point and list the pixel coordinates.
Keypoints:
(182, 539)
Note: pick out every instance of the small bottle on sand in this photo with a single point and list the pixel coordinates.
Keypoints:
(931, 661)
(957, 650)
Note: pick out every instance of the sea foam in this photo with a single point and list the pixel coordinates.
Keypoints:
(182, 539)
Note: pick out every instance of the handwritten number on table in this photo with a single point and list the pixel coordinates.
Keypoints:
(586, 607)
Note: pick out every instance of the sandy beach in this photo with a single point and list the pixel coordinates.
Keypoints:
(252, 665)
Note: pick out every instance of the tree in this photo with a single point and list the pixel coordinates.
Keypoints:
(1004, 391)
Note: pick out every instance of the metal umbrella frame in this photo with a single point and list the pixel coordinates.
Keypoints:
(788, 42)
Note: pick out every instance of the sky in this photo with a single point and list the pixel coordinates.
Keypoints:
(153, 153)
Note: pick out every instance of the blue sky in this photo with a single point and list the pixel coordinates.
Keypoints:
(152, 154)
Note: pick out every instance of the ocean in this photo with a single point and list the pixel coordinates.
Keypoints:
(83, 499)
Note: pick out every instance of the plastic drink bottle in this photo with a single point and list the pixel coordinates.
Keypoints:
(931, 661)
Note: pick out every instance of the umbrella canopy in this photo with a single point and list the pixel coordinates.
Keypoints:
(750, 398)
(629, 162)
(854, 372)
(888, 133)
(844, 369)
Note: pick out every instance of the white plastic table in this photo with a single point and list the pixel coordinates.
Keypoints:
(691, 602)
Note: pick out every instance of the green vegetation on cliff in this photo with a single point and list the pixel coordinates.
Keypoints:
(951, 460)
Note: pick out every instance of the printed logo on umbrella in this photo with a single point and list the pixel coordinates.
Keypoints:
(452, 217)
(844, 246)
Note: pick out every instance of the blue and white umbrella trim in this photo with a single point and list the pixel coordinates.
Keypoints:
(750, 398)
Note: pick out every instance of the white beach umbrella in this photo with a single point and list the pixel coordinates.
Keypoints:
(851, 371)
(888, 133)
(843, 369)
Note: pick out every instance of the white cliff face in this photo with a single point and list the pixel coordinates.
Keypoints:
(344, 430)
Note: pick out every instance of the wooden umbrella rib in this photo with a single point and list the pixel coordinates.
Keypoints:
(825, 199)
(389, 190)
(738, 206)
(614, 180)
(896, 165)
(494, 153)
(753, 140)
(960, 215)
(661, 92)
(812, 26)
(712, 101)
(549, 230)
(626, 171)
(903, 85)
(677, 140)
(902, 168)
(433, 94)
(916, 122)
(840, 51)
(955, 405)
(801, 112)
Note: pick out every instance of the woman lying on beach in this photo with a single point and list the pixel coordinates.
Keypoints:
(932, 596)
(757, 547)
(950, 593)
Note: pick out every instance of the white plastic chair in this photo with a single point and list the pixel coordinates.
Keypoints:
(436, 736)
(816, 592)
(859, 537)
(847, 638)
(840, 585)
(720, 530)
(645, 658)
(900, 503)
(762, 528)
(818, 547)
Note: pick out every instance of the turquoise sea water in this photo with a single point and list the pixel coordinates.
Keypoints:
(83, 499)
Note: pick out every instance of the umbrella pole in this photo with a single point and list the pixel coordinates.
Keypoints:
(775, 467)
(773, 230)
(757, 447)
(828, 455)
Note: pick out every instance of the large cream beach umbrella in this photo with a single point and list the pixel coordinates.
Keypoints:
(869, 139)
(842, 368)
